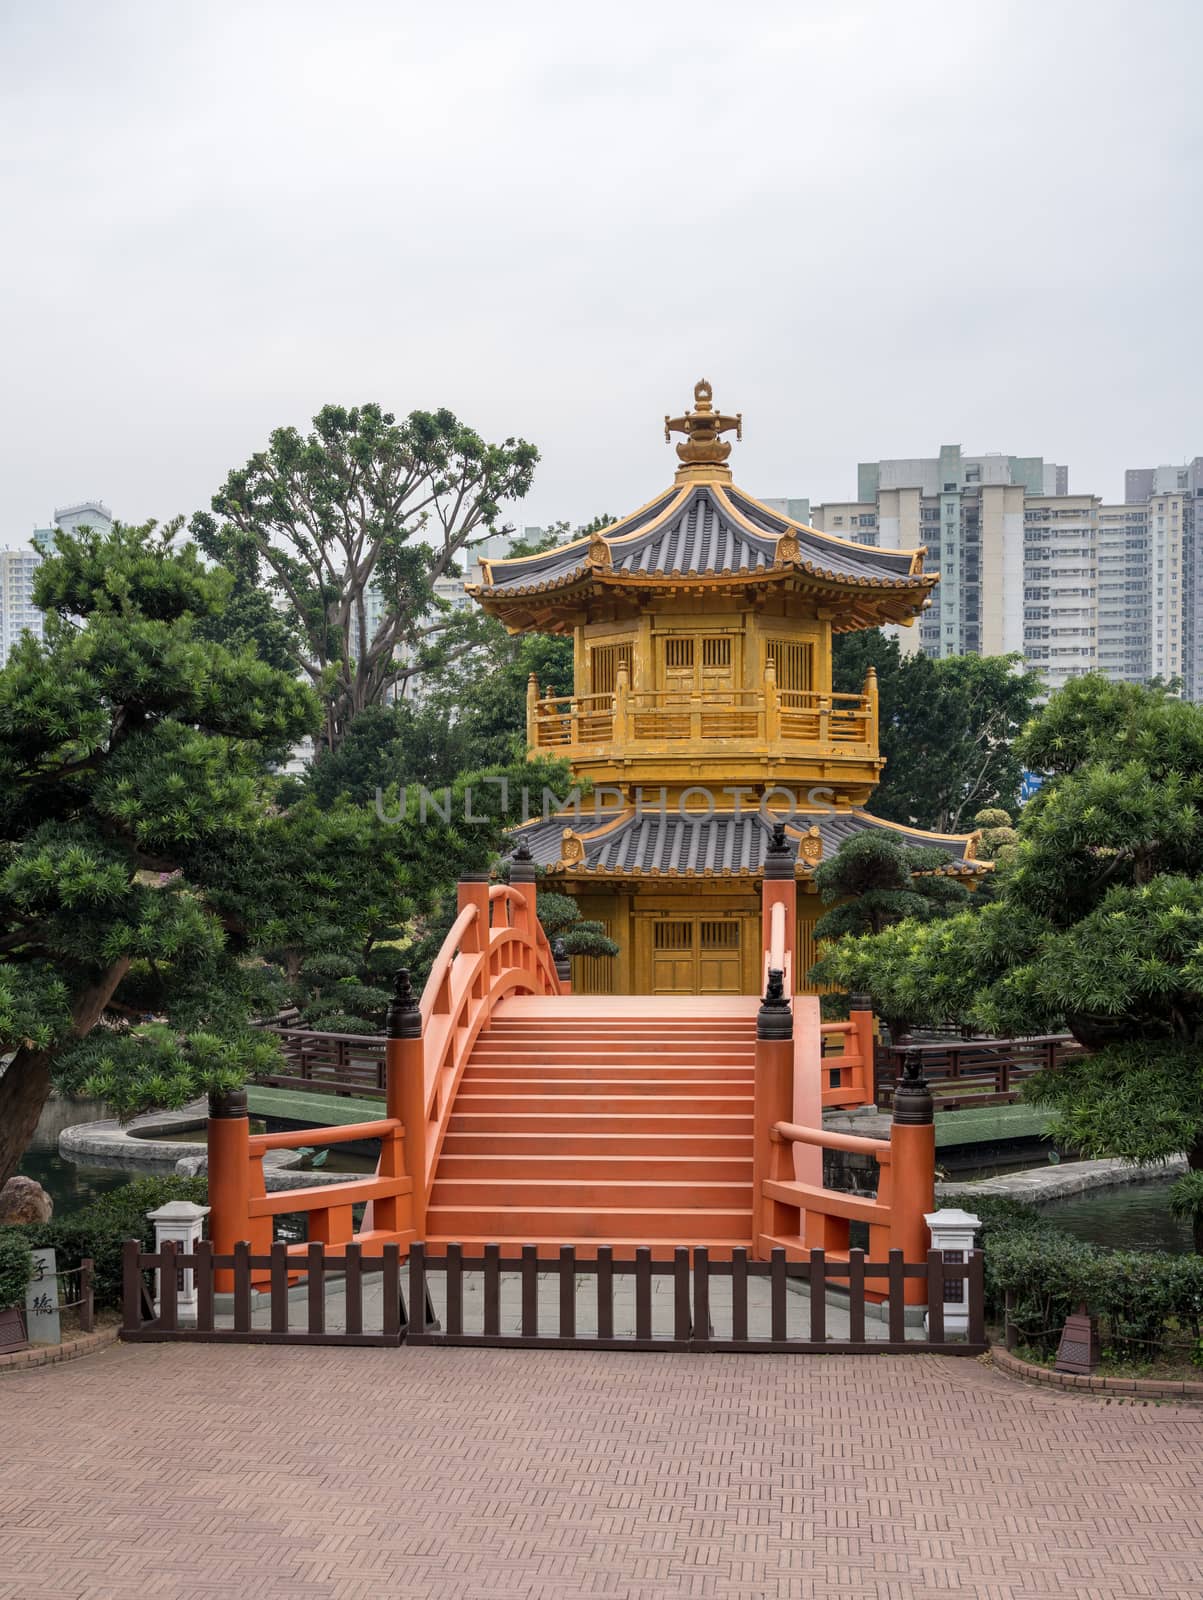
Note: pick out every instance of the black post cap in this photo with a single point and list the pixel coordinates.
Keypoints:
(522, 864)
(775, 1019)
(913, 1106)
(779, 856)
(403, 1020)
(227, 1103)
(860, 1002)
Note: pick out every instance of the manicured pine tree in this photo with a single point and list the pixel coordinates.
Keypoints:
(1097, 926)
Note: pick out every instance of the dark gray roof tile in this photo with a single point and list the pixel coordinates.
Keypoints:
(701, 536)
(666, 842)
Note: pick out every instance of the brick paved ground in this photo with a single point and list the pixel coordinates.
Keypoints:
(207, 1473)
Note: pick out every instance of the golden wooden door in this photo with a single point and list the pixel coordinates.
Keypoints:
(677, 665)
(717, 667)
(672, 956)
(718, 947)
(691, 955)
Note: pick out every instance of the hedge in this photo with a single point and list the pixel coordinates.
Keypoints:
(1145, 1300)
(16, 1268)
(101, 1230)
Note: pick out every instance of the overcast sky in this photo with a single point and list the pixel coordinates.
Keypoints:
(876, 227)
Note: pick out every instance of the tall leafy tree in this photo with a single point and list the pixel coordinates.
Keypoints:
(331, 894)
(483, 693)
(469, 715)
(1097, 926)
(947, 728)
(349, 527)
(129, 745)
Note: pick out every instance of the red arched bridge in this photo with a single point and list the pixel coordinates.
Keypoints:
(519, 1114)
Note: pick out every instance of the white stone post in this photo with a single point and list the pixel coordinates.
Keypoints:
(952, 1235)
(180, 1221)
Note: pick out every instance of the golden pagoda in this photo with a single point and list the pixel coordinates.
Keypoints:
(703, 715)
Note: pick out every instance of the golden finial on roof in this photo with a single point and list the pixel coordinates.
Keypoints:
(703, 449)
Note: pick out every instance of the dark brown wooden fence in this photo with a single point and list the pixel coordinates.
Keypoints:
(619, 1314)
(972, 1072)
(693, 1326)
(330, 1063)
(262, 1295)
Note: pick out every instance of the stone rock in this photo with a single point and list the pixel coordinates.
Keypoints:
(24, 1200)
(192, 1166)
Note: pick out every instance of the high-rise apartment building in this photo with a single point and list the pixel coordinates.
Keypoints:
(1007, 541)
(1171, 500)
(1071, 583)
(1123, 595)
(18, 614)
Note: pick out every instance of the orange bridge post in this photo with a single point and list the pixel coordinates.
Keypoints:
(913, 1165)
(563, 963)
(773, 1099)
(229, 1168)
(860, 1014)
(405, 1090)
(523, 877)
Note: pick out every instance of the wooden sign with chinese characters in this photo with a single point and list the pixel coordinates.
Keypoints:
(41, 1301)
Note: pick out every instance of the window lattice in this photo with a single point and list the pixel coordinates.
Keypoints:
(792, 662)
(606, 659)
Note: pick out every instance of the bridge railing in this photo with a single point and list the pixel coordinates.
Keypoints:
(495, 947)
(848, 1075)
(792, 1206)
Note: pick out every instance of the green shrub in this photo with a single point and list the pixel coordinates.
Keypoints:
(1141, 1298)
(16, 1267)
(101, 1230)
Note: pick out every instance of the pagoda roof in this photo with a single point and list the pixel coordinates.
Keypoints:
(665, 843)
(704, 532)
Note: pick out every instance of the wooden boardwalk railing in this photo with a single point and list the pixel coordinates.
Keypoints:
(972, 1072)
(330, 1063)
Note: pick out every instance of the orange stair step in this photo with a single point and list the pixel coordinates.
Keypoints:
(470, 1100)
(579, 1192)
(583, 1142)
(618, 1093)
(548, 1250)
(594, 1121)
(576, 1072)
(615, 1222)
(505, 1167)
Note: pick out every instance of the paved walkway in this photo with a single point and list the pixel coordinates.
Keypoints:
(199, 1472)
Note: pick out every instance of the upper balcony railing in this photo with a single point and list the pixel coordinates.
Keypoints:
(637, 721)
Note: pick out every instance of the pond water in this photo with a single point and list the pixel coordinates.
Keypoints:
(1133, 1216)
(72, 1185)
(339, 1159)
